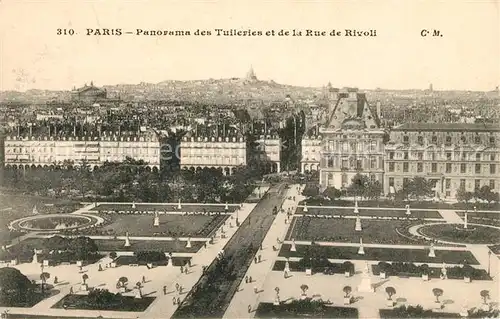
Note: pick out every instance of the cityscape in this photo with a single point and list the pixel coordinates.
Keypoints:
(248, 198)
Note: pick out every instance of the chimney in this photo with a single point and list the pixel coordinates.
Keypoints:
(378, 110)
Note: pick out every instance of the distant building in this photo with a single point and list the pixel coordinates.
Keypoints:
(224, 153)
(251, 77)
(47, 151)
(88, 94)
(270, 147)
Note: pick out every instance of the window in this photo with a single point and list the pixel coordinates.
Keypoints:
(478, 169)
(477, 184)
(405, 155)
(391, 155)
(405, 167)
(330, 162)
(344, 179)
(391, 167)
(434, 167)
(448, 140)
(420, 156)
(345, 163)
(391, 181)
(434, 139)
(478, 156)
(359, 164)
(420, 167)
(462, 183)
(448, 193)
(477, 139)
(448, 167)
(463, 139)
(373, 163)
(464, 156)
(448, 156)
(406, 181)
(420, 140)
(493, 169)
(492, 140)
(405, 139)
(492, 157)
(492, 184)
(433, 156)
(448, 183)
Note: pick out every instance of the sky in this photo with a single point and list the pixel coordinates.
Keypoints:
(465, 57)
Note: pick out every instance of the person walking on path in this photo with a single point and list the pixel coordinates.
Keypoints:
(246, 279)
(260, 258)
(177, 286)
(249, 308)
(255, 259)
(164, 290)
(255, 289)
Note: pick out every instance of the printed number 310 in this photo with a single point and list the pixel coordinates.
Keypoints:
(65, 31)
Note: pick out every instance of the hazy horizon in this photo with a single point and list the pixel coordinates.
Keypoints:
(33, 56)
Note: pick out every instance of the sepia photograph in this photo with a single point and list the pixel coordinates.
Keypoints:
(249, 159)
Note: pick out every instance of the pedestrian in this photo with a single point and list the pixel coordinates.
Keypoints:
(260, 258)
(249, 308)
(178, 300)
(255, 289)
(143, 279)
(250, 279)
(189, 262)
(55, 280)
(71, 290)
(285, 274)
(182, 269)
(186, 269)
(180, 289)
(205, 245)
(261, 248)
(246, 279)
(164, 290)
(255, 259)
(174, 301)
(177, 286)
(100, 267)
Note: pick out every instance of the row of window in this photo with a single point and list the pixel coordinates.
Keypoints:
(448, 168)
(448, 139)
(447, 183)
(448, 156)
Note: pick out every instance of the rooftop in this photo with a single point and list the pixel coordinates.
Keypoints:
(447, 127)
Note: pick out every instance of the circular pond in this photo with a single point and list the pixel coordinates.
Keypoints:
(456, 233)
(54, 222)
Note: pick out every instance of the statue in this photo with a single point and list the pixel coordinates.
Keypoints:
(35, 257)
(361, 250)
(356, 210)
(444, 274)
(156, 221)
(127, 240)
(358, 224)
(408, 212)
(366, 282)
(432, 254)
(293, 248)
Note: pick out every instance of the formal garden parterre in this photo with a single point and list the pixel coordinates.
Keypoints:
(419, 214)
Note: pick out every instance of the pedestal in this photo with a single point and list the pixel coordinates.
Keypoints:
(358, 225)
(366, 285)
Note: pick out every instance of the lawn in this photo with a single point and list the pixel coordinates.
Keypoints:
(170, 225)
(126, 303)
(368, 212)
(383, 254)
(165, 207)
(455, 233)
(342, 230)
(399, 313)
(482, 218)
(268, 310)
(141, 245)
(128, 260)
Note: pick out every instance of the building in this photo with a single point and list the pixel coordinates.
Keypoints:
(270, 151)
(94, 150)
(225, 153)
(311, 153)
(88, 94)
(449, 154)
(352, 140)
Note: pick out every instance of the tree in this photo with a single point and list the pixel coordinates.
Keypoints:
(44, 276)
(438, 292)
(332, 193)
(15, 288)
(420, 187)
(85, 277)
(485, 294)
(461, 195)
(122, 281)
(390, 291)
(347, 291)
(485, 193)
(359, 184)
(112, 255)
(304, 288)
(373, 190)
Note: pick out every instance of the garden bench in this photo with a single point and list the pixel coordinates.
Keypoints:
(134, 265)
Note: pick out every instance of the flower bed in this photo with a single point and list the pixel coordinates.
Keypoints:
(369, 212)
(172, 207)
(412, 270)
(414, 312)
(384, 254)
(132, 260)
(118, 303)
(456, 233)
(304, 309)
(140, 245)
(329, 269)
